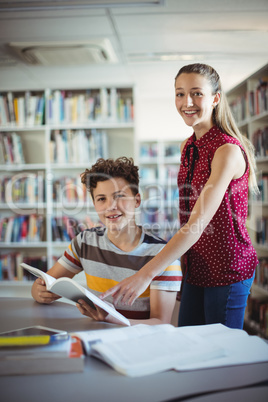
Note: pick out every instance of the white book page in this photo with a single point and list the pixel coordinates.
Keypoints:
(239, 347)
(70, 289)
(154, 353)
(90, 338)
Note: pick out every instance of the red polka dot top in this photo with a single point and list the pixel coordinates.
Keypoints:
(224, 253)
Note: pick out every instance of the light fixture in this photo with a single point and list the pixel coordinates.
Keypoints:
(171, 56)
(95, 51)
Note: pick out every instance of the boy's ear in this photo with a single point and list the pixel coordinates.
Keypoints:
(138, 200)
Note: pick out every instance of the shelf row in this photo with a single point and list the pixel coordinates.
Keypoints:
(68, 106)
(250, 99)
(63, 146)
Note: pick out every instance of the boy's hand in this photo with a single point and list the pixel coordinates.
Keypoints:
(129, 289)
(98, 315)
(44, 296)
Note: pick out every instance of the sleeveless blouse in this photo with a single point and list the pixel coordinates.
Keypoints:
(224, 253)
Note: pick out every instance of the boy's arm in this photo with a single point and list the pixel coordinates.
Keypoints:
(162, 303)
(39, 291)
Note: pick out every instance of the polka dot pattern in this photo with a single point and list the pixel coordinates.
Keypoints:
(224, 253)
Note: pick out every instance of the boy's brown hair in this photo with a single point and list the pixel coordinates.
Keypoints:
(105, 169)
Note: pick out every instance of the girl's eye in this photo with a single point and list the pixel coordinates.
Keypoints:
(179, 95)
(197, 94)
(119, 196)
(101, 199)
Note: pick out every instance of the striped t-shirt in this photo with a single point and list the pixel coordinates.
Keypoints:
(105, 265)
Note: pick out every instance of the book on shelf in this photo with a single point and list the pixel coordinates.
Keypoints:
(65, 356)
(69, 190)
(22, 109)
(10, 269)
(11, 151)
(148, 151)
(70, 289)
(4, 118)
(74, 106)
(257, 315)
(172, 151)
(263, 189)
(22, 228)
(11, 108)
(143, 350)
(260, 142)
(148, 174)
(261, 275)
(78, 146)
(65, 228)
(24, 188)
(262, 230)
(252, 102)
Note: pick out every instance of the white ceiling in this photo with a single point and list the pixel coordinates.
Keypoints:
(230, 35)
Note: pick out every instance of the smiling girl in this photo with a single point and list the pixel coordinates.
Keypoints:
(217, 168)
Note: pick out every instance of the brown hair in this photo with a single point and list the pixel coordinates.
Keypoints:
(222, 115)
(105, 169)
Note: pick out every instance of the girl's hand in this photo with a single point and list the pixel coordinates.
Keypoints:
(129, 289)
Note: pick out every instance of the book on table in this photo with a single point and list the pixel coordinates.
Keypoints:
(142, 349)
(65, 356)
(31, 336)
(72, 290)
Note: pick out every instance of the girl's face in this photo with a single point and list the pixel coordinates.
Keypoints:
(195, 101)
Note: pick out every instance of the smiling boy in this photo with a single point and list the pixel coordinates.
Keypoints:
(116, 251)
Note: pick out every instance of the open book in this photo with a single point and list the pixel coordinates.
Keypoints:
(67, 287)
(142, 349)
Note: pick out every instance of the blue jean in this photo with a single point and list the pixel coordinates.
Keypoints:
(211, 305)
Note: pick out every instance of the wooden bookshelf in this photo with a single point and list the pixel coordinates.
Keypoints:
(47, 139)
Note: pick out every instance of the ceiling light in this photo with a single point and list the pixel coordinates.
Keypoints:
(184, 57)
(143, 57)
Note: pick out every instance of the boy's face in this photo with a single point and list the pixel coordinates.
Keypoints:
(115, 203)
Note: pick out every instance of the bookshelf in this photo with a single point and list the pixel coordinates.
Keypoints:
(159, 165)
(47, 139)
(249, 104)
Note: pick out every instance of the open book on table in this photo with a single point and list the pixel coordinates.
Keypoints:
(67, 287)
(142, 349)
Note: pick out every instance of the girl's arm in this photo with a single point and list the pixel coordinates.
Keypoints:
(228, 164)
